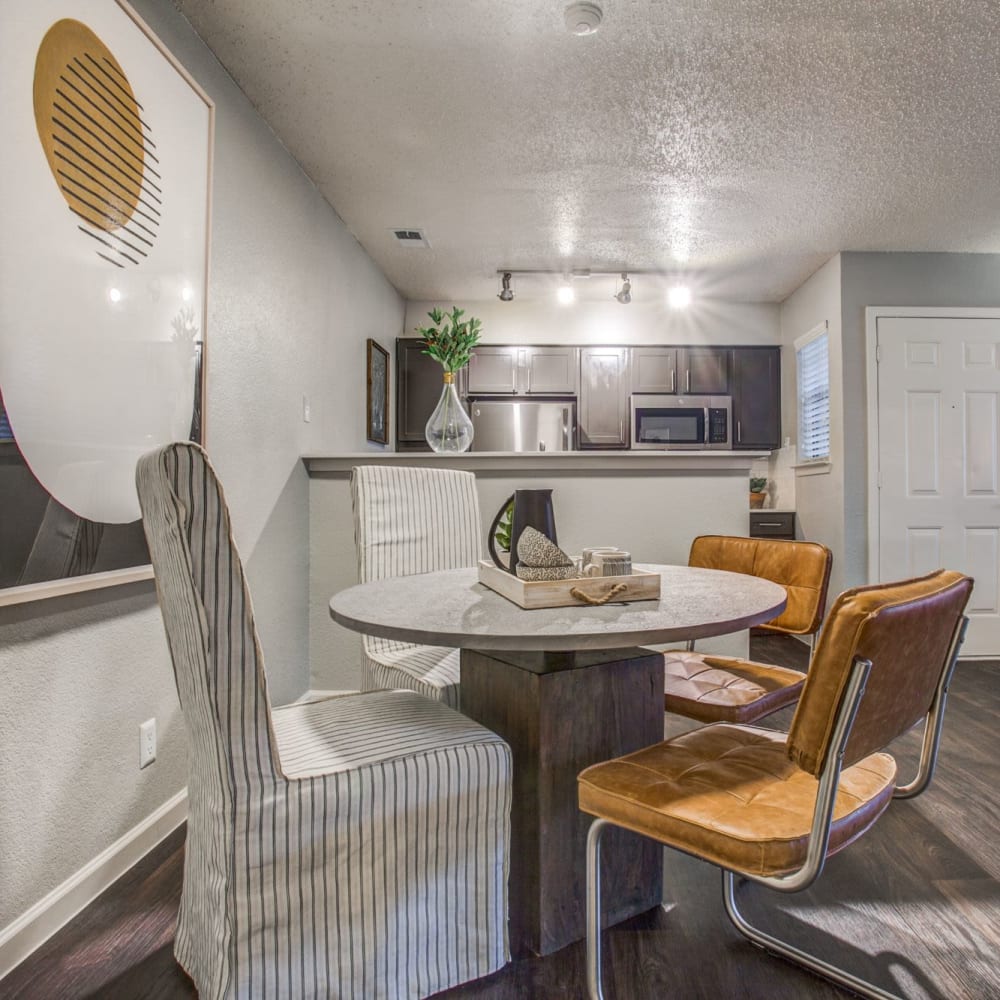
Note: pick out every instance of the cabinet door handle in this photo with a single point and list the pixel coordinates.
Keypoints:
(688, 384)
(739, 430)
(673, 380)
(621, 430)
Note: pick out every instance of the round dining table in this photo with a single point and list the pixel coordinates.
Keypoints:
(566, 688)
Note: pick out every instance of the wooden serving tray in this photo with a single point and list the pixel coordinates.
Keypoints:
(532, 594)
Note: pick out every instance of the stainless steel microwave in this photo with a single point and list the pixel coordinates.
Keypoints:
(690, 423)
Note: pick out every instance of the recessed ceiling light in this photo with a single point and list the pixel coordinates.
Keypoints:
(679, 297)
(565, 295)
(583, 18)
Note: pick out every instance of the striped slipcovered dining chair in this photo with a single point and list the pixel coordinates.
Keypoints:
(351, 847)
(408, 521)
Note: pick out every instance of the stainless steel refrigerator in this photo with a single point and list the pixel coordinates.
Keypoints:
(523, 425)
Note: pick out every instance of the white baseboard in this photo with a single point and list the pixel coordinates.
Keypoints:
(33, 928)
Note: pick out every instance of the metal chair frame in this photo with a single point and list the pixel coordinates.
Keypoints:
(819, 836)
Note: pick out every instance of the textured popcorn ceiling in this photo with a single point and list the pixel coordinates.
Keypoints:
(740, 141)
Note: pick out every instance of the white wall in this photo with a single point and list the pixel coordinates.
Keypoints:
(544, 321)
(292, 298)
(819, 499)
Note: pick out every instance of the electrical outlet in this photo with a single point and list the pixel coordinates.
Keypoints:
(306, 410)
(147, 743)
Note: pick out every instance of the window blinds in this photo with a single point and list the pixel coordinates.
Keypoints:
(813, 363)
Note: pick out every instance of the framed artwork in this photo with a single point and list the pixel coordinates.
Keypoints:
(378, 393)
(105, 192)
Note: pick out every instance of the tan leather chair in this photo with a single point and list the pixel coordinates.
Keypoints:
(748, 799)
(728, 689)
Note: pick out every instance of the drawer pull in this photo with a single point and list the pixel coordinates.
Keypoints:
(770, 524)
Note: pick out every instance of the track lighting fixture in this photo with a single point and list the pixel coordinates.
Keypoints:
(678, 296)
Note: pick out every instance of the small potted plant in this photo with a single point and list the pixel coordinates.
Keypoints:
(758, 490)
(450, 342)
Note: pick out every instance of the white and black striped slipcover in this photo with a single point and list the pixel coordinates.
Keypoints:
(354, 847)
(408, 521)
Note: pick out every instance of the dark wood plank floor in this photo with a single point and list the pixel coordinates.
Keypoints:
(914, 906)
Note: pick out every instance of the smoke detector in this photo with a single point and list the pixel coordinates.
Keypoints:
(583, 18)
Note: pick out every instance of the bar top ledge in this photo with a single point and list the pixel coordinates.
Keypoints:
(542, 461)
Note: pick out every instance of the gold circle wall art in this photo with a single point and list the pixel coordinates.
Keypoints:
(98, 147)
(105, 184)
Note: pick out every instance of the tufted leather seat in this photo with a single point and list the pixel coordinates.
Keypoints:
(730, 795)
(726, 689)
(730, 689)
(748, 799)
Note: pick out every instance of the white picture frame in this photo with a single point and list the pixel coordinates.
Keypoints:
(105, 191)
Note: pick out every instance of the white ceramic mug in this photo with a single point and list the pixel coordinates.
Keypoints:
(587, 557)
(617, 563)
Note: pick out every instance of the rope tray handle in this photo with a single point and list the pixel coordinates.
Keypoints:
(613, 592)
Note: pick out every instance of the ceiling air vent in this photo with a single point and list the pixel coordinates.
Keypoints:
(413, 238)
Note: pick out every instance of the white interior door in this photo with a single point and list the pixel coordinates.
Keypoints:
(939, 457)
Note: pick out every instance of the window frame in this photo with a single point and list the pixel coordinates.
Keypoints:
(800, 344)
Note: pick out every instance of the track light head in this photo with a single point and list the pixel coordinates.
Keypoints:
(624, 295)
(506, 295)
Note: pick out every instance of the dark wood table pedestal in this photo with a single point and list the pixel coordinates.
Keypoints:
(561, 712)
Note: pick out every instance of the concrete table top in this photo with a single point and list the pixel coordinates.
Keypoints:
(451, 608)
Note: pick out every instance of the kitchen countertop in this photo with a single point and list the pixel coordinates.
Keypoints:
(596, 460)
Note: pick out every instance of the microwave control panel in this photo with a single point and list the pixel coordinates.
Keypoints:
(718, 425)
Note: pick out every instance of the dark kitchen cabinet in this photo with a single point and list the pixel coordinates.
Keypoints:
(703, 371)
(419, 379)
(756, 391)
(604, 390)
(515, 371)
(772, 524)
(550, 370)
(494, 371)
(654, 369)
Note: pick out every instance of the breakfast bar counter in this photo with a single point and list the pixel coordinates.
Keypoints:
(648, 502)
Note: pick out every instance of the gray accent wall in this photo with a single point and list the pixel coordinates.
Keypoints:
(970, 280)
(819, 499)
(833, 508)
(292, 299)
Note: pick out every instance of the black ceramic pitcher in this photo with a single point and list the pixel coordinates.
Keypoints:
(532, 509)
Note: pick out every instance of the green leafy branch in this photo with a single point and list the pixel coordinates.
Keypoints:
(502, 534)
(451, 339)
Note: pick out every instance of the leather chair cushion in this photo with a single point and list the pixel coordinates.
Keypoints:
(726, 689)
(730, 794)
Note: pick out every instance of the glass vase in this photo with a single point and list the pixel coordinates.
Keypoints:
(449, 428)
